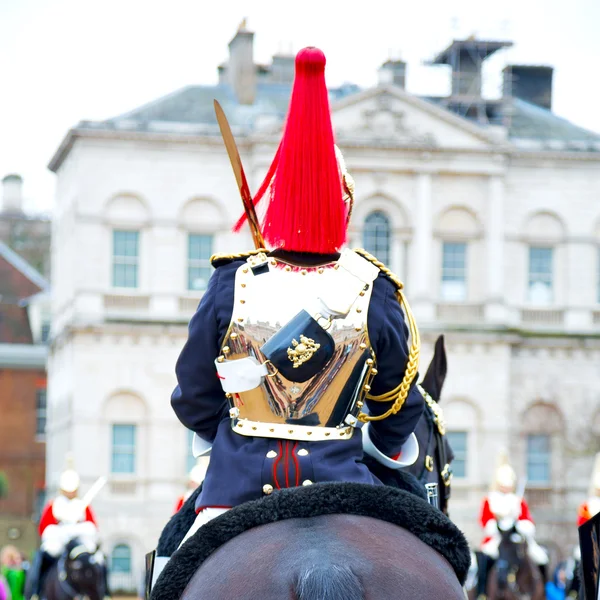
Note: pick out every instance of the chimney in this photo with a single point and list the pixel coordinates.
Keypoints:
(282, 68)
(241, 69)
(466, 58)
(530, 83)
(393, 72)
(12, 193)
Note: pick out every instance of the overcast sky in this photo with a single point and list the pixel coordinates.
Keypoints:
(62, 61)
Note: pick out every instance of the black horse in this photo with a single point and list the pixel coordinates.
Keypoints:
(513, 575)
(76, 574)
(333, 541)
(435, 453)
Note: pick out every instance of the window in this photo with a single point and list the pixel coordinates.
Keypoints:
(540, 275)
(199, 267)
(190, 460)
(458, 442)
(120, 559)
(40, 412)
(125, 259)
(538, 458)
(45, 333)
(123, 449)
(377, 236)
(454, 271)
(40, 501)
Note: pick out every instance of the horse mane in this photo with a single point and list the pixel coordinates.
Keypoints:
(334, 582)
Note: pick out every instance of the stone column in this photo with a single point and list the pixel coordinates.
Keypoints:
(420, 293)
(574, 265)
(494, 237)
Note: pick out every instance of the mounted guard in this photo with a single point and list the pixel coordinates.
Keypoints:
(292, 350)
(65, 518)
(503, 508)
(196, 477)
(591, 506)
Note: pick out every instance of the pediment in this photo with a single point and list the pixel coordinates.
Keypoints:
(389, 115)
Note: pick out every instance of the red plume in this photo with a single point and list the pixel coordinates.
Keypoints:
(306, 211)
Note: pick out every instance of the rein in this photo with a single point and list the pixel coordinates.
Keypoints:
(63, 578)
(436, 449)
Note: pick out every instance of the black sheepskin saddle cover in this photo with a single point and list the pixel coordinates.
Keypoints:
(380, 502)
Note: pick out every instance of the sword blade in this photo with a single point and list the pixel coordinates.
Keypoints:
(240, 176)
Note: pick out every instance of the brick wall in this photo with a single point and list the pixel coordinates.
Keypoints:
(22, 453)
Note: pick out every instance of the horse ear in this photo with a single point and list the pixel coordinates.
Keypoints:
(437, 370)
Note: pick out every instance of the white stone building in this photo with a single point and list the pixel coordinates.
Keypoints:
(489, 210)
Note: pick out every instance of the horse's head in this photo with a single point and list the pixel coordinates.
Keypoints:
(435, 451)
(512, 553)
(436, 372)
(81, 563)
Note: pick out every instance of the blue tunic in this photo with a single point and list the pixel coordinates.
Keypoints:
(240, 466)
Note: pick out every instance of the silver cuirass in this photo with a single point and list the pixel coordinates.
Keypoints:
(269, 293)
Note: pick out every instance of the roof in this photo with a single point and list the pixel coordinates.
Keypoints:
(193, 105)
(21, 265)
(532, 126)
(18, 281)
(189, 111)
(531, 122)
(23, 356)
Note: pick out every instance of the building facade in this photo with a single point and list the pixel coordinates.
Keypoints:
(22, 400)
(28, 235)
(487, 210)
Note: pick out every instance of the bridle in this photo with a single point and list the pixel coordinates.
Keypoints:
(436, 448)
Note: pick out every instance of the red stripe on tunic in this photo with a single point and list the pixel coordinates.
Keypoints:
(296, 464)
(276, 464)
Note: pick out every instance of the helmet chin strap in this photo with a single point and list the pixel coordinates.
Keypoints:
(347, 184)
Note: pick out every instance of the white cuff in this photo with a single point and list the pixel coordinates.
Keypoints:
(241, 375)
(525, 528)
(408, 454)
(491, 527)
(200, 447)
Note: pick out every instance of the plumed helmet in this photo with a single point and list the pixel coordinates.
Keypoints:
(69, 481)
(304, 187)
(505, 475)
(69, 478)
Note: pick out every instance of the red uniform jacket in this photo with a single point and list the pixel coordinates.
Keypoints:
(48, 517)
(487, 515)
(180, 502)
(583, 514)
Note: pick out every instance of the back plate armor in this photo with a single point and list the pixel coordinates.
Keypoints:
(268, 295)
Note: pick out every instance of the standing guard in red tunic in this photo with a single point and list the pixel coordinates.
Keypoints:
(196, 477)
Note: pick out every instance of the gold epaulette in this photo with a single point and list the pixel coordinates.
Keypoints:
(399, 394)
(372, 259)
(218, 260)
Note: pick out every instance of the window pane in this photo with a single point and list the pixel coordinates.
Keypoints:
(125, 258)
(123, 448)
(121, 559)
(45, 333)
(458, 442)
(454, 271)
(199, 267)
(377, 236)
(40, 412)
(541, 275)
(538, 458)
